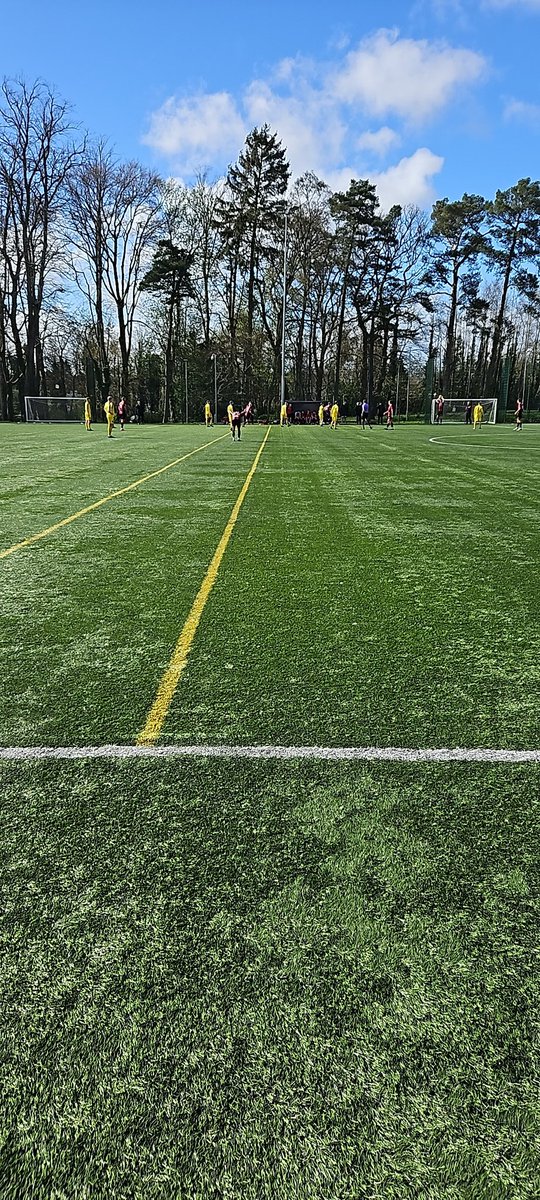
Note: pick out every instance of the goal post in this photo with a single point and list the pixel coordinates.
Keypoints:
(454, 408)
(54, 409)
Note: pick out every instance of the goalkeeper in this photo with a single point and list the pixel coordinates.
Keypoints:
(478, 416)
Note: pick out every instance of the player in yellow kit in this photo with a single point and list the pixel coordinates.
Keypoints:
(108, 409)
(321, 414)
(478, 416)
(230, 411)
(334, 414)
(283, 415)
(207, 415)
(87, 414)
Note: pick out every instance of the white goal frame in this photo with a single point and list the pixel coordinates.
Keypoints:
(454, 408)
(54, 410)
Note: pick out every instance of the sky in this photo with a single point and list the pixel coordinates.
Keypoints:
(427, 99)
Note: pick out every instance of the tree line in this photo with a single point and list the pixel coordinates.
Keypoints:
(114, 280)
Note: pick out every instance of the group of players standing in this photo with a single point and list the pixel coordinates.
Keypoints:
(237, 417)
(475, 416)
(328, 414)
(112, 414)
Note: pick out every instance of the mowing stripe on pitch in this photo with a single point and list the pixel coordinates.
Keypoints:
(170, 679)
(36, 537)
(404, 754)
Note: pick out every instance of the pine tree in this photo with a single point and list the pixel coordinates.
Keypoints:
(457, 229)
(251, 211)
(169, 278)
(514, 226)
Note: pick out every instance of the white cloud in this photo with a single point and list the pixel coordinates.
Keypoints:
(322, 112)
(378, 142)
(196, 129)
(410, 180)
(520, 110)
(309, 126)
(414, 79)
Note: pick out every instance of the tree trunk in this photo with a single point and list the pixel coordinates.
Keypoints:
(449, 353)
(493, 369)
(341, 323)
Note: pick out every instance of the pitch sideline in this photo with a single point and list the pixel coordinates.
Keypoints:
(404, 754)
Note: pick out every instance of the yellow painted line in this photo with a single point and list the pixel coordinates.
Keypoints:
(177, 664)
(36, 537)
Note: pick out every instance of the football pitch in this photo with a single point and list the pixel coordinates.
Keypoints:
(270, 924)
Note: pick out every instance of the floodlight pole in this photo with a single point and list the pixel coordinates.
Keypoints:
(528, 351)
(214, 356)
(186, 382)
(283, 312)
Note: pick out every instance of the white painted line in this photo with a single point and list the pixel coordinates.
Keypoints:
(328, 753)
(479, 440)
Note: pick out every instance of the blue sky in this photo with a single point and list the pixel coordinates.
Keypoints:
(428, 98)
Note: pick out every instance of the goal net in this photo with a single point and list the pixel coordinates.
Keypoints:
(54, 408)
(456, 409)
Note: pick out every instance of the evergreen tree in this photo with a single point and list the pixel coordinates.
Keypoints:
(514, 226)
(457, 230)
(169, 278)
(358, 222)
(251, 212)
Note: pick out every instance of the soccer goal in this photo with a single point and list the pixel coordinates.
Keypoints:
(53, 409)
(455, 409)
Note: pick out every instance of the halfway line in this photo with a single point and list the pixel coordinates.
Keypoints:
(36, 537)
(170, 679)
(329, 753)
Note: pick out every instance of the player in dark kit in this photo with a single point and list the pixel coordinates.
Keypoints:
(468, 413)
(236, 423)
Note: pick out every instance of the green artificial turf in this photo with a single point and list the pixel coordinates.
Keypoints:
(377, 589)
(91, 613)
(269, 981)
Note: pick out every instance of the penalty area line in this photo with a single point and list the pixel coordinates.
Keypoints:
(405, 754)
